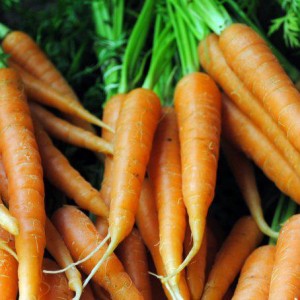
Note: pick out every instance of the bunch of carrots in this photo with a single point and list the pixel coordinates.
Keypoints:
(208, 86)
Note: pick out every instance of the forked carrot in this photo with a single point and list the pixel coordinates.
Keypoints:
(57, 248)
(81, 237)
(254, 281)
(286, 270)
(135, 129)
(53, 286)
(24, 172)
(43, 93)
(69, 133)
(7, 221)
(214, 63)
(243, 173)
(241, 241)
(252, 60)
(132, 254)
(198, 105)
(164, 170)
(240, 131)
(62, 175)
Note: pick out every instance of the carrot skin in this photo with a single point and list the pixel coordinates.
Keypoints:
(240, 131)
(214, 62)
(242, 240)
(81, 237)
(22, 164)
(286, 270)
(254, 63)
(254, 281)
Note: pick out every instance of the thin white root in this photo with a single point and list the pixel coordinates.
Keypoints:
(5, 247)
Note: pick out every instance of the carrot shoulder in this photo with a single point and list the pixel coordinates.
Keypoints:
(23, 167)
(254, 63)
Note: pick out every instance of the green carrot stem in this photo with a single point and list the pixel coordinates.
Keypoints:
(3, 56)
(4, 30)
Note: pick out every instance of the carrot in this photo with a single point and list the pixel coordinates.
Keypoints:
(53, 286)
(147, 223)
(81, 237)
(7, 221)
(69, 133)
(241, 241)
(102, 226)
(198, 105)
(286, 270)
(43, 93)
(215, 64)
(62, 175)
(244, 175)
(240, 131)
(22, 165)
(57, 248)
(99, 292)
(254, 281)
(3, 183)
(165, 173)
(195, 273)
(132, 254)
(251, 59)
(25, 52)
(135, 129)
(8, 269)
(88, 293)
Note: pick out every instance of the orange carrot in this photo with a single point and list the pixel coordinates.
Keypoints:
(242, 240)
(102, 226)
(254, 281)
(57, 248)
(286, 270)
(22, 165)
(198, 105)
(62, 175)
(8, 269)
(88, 293)
(81, 237)
(165, 173)
(99, 292)
(3, 183)
(69, 133)
(135, 129)
(215, 64)
(43, 93)
(132, 254)
(195, 271)
(254, 63)
(243, 173)
(53, 286)
(147, 223)
(240, 131)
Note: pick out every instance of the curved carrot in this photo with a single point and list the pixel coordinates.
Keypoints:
(53, 286)
(242, 240)
(240, 131)
(254, 281)
(62, 175)
(43, 93)
(195, 271)
(8, 269)
(198, 105)
(147, 223)
(25, 181)
(132, 254)
(57, 248)
(214, 62)
(243, 173)
(254, 63)
(286, 270)
(135, 130)
(69, 133)
(164, 169)
(81, 237)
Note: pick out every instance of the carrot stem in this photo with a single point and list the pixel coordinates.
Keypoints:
(4, 30)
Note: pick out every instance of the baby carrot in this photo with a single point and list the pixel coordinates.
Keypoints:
(81, 237)
(242, 240)
(240, 131)
(24, 172)
(254, 281)
(62, 175)
(69, 133)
